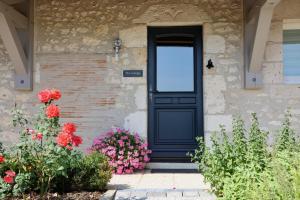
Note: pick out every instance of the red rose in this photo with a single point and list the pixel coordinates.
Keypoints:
(39, 136)
(44, 96)
(63, 139)
(52, 111)
(10, 173)
(8, 179)
(2, 159)
(69, 128)
(55, 94)
(76, 140)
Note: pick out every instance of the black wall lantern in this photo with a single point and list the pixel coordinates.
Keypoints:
(210, 64)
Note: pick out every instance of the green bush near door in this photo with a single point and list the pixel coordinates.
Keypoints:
(247, 168)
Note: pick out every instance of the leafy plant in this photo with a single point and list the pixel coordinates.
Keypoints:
(240, 148)
(257, 154)
(22, 184)
(93, 172)
(247, 168)
(286, 138)
(223, 157)
(19, 118)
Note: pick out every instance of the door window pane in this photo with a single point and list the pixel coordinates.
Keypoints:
(175, 69)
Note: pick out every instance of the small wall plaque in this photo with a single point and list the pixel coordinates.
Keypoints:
(132, 73)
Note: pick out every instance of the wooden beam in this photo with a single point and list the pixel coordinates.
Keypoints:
(13, 44)
(257, 27)
(19, 20)
(251, 13)
(261, 35)
(12, 2)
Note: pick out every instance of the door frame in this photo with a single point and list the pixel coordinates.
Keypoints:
(198, 75)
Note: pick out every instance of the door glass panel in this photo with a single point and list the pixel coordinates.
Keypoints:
(175, 69)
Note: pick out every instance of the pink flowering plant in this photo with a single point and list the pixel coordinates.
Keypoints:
(126, 152)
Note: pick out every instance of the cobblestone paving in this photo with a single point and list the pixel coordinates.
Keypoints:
(175, 194)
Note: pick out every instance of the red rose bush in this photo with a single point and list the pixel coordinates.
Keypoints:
(46, 158)
(65, 137)
(126, 152)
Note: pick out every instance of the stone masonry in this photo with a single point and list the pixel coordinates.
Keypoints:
(73, 52)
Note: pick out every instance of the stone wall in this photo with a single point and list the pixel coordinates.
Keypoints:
(73, 52)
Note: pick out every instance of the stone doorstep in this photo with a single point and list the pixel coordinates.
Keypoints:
(158, 165)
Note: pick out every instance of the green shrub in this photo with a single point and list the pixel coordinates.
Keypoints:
(277, 181)
(225, 157)
(92, 173)
(246, 168)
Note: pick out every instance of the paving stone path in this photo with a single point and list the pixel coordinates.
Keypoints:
(165, 186)
(175, 194)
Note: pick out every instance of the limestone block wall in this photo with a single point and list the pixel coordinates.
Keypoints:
(73, 52)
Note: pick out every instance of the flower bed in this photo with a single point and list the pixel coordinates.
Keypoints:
(66, 196)
(46, 159)
(126, 152)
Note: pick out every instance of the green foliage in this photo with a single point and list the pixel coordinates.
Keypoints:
(257, 154)
(296, 175)
(239, 141)
(22, 183)
(4, 189)
(1, 148)
(277, 181)
(224, 157)
(239, 184)
(42, 165)
(286, 138)
(246, 168)
(19, 118)
(92, 173)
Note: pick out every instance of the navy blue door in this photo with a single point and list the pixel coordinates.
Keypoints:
(175, 100)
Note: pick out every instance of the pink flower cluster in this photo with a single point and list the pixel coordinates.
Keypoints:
(126, 152)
